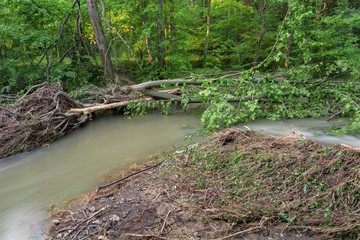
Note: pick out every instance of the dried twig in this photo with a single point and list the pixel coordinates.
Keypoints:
(126, 177)
(249, 230)
(164, 224)
(146, 236)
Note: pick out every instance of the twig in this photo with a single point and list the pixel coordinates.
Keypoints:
(64, 229)
(30, 89)
(253, 229)
(276, 41)
(126, 177)
(333, 116)
(157, 196)
(146, 236)
(85, 220)
(164, 224)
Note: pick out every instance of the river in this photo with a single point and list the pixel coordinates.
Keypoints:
(77, 163)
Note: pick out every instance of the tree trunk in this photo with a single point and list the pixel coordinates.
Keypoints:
(100, 38)
(262, 11)
(207, 37)
(288, 50)
(160, 22)
(147, 39)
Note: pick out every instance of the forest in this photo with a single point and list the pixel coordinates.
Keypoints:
(255, 59)
(64, 63)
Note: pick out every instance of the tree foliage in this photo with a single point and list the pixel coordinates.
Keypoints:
(316, 43)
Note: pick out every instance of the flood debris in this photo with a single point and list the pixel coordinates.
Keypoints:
(237, 184)
(44, 114)
(36, 119)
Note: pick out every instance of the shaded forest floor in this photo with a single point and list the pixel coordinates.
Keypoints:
(237, 185)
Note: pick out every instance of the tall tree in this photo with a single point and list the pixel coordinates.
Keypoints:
(207, 36)
(262, 11)
(100, 38)
(161, 34)
(147, 37)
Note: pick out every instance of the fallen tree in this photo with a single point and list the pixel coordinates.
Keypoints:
(96, 108)
(45, 114)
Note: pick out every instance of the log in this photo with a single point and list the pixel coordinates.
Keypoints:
(105, 106)
(175, 91)
(168, 96)
(157, 83)
(163, 95)
(151, 84)
(154, 96)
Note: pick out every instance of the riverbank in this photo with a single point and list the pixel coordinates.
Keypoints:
(237, 184)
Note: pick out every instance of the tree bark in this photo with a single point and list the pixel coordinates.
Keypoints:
(207, 37)
(105, 106)
(151, 84)
(147, 39)
(160, 28)
(262, 11)
(100, 38)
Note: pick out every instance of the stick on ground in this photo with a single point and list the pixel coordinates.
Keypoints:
(126, 177)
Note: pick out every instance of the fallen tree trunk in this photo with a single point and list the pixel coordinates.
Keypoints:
(168, 96)
(151, 84)
(157, 95)
(105, 106)
(154, 96)
(157, 83)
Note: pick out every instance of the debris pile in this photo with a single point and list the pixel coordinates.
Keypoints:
(36, 119)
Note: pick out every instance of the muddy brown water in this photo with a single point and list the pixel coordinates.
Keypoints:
(77, 163)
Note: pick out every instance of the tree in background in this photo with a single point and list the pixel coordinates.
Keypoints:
(100, 39)
(313, 44)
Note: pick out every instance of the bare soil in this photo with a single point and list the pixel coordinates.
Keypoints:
(237, 185)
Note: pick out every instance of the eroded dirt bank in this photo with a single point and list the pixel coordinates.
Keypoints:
(239, 184)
